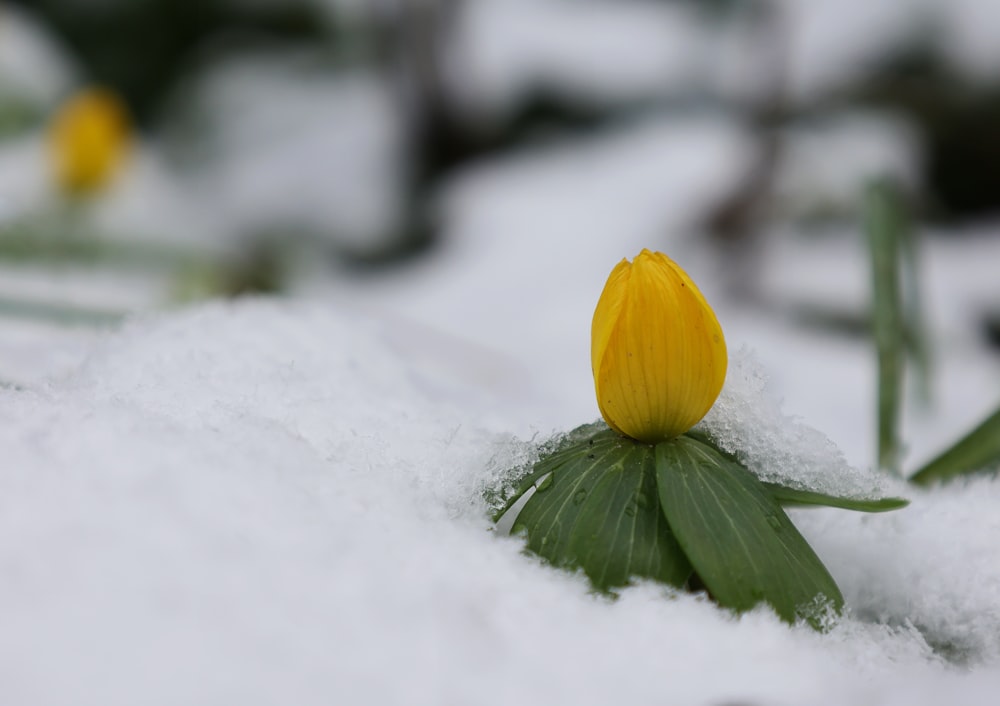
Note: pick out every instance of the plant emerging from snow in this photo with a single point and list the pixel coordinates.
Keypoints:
(645, 496)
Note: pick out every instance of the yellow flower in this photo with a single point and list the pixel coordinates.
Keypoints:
(88, 140)
(657, 350)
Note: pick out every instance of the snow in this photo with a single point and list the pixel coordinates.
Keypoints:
(747, 422)
(605, 52)
(24, 178)
(969, 27)
(932, 567)
(288, 145)
(280, 500)
(867, 145)
(271, 501)
(592, 52)
(34, 67)
(529, 239)
(835, 41)
(84, 286)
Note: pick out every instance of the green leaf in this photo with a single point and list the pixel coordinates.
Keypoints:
(916, 332)
(596, 509)
(794, 497)
(741, 543)
(553, 455)
(538, 472)
(884, 226)
(979, 450)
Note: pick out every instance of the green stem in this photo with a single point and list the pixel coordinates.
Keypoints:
(883, 224)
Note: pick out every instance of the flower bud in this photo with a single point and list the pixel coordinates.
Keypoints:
(88, 140)
(657, 350)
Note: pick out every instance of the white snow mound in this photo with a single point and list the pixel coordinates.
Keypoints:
(747, 422)
(271, 503)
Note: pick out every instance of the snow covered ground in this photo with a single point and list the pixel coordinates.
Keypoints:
(279, 500)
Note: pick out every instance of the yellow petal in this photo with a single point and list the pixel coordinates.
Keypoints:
(606, 316)
(657, 350)
(88, 140)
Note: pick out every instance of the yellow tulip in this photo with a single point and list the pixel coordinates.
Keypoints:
(88, 140)
(657, 350)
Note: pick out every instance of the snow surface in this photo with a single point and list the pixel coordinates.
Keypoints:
(601, 51)
(586, 52)
(747, 422)
(867, 145)
(289, 144)
(273, 502)
(280, 501)
(34, 67)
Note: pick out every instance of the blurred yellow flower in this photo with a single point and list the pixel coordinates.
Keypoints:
(657, 350)
(89, 138)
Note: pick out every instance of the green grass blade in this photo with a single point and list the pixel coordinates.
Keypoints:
(979, 450)
(883, 226)
(916, 331)
(739, 541)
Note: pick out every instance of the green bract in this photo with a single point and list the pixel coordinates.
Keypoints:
(680, 512)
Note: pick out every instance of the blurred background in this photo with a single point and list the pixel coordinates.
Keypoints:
(478, 166)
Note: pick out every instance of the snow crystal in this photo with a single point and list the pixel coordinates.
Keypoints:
(748, 422)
